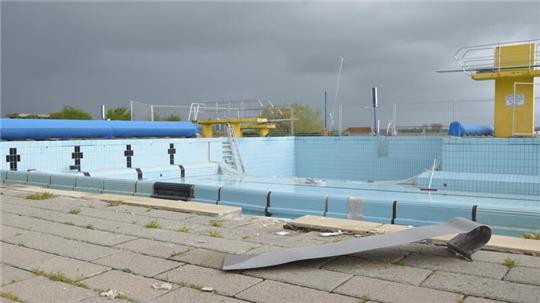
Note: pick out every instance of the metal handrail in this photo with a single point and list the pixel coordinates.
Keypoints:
(234, 150)
(474, 58)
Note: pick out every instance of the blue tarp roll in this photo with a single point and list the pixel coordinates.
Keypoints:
(41, 129)
(459, 129)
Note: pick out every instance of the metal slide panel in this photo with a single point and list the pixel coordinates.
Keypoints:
(471, 237)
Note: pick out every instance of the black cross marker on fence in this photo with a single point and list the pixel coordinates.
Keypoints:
(13, 158)
(128, 153)
(77, 156)
(171, 151)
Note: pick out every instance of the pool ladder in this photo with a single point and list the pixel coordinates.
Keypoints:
(231, 153)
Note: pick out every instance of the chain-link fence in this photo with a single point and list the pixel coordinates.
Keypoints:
(421, 117)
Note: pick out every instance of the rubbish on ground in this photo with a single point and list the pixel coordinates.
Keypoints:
(109, 294)
(162, 286)
(315, 181)
(282, 233)
(331, 234)
(208, 289)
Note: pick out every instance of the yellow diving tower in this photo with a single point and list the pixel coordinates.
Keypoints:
(237, 125)
(513, 66)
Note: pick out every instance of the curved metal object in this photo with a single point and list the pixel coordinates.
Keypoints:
(471, 237)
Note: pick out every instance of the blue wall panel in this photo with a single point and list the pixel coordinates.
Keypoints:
(292, 205)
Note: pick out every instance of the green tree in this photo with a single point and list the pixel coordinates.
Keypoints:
(307, 120)
(171, 117)
(71, 113)
(119, 113)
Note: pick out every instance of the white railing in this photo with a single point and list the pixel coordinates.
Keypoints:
(235, 152)
(484, 57)
(202, 110)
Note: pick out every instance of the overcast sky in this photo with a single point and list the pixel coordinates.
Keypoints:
(88, 54)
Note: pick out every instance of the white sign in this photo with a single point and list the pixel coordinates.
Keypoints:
(517, 100)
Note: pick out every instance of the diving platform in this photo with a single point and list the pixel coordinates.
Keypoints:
(237, 125)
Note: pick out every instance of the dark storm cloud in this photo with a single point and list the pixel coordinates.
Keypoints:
(87, 54)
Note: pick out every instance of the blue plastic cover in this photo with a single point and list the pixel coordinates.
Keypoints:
(41, 129)
(459, 129)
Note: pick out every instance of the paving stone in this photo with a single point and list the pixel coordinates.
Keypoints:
(426, 248)
(100, 299)
(458, 265)
(73, 269)
(56, 203)
(277, 292)
(479, 300)
(484, 287)
(66, 231)
(134, 287)
(223, 282)
(11, 274)
(40, 289)
(206, 220)
(522, 274)
(61, 217)
(389, 254)
(262, 224)
(497, 257)
(316, 237)
(61, 246)
(189, 295)
(153, 248)
(158, 213)
(112, 214)
(202, 257)
(137, 263)
(8, 232)
(302, 273)
(263, 248)
(390, 292)
(294, 239)
(381, 270)
(218, 244)
(22, 256)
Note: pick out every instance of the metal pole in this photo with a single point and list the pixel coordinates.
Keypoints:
(325, 107)
(103, 113)
(131, 109)
(291, 109)
(152, 112)
(340, 118)
(375, 105)
(394, 116)
(453, 111)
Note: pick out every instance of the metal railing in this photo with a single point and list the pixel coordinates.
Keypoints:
(424, 117)
(484, 57)
(202, 110)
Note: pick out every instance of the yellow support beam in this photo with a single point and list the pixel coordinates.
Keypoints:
(233, 120)
(514, 89)
(236, 124)
(264, 129)
(258, 126)
(505, 74)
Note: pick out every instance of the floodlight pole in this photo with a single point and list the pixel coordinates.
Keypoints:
(325, 107)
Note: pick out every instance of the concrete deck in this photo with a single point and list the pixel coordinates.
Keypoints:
(70, 249)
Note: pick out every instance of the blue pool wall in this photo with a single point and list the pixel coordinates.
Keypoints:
(365, 158)
(514, 162)
(507, 166)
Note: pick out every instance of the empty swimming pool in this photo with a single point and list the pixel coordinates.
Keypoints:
(381, 179)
